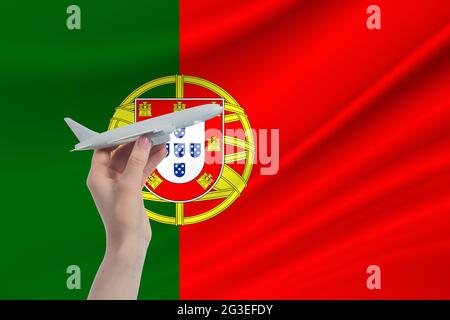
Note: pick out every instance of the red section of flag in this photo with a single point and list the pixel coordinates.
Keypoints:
(364, 149)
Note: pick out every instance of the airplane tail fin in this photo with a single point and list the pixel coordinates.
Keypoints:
(80, 131)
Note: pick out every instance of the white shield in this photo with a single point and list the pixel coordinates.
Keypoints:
(180, 164)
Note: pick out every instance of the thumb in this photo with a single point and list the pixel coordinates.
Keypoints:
(138, 159)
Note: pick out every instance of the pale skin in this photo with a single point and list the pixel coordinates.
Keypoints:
(115, 180)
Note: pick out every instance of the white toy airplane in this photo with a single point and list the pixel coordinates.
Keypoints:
(157, 129)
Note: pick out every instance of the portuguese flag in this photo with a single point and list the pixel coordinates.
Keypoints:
(356, 171)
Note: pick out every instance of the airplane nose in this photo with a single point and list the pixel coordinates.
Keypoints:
(218, 109)
(210, 110)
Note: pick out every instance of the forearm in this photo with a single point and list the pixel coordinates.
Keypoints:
(115, 181)
(119, 275)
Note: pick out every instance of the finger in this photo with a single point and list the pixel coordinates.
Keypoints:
(158, 153)
(138, 159)
(120, 157)
(157, 149)
(156, 156)
(100, 162)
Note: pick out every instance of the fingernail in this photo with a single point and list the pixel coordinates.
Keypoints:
(143, 142)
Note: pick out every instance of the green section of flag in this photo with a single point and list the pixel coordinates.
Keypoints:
(48, 218)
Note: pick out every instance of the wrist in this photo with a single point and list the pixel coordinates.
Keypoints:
(127, 250)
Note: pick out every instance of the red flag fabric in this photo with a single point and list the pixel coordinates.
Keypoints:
(364, 171)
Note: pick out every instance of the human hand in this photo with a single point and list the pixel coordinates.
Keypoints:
(115, 181)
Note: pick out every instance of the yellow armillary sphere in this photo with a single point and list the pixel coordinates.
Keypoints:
(230, 183)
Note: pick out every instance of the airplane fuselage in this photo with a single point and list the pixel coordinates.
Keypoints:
(158, 129)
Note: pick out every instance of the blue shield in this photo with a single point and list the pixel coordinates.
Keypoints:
(195, 150)
(167, 149)
(179, 169)
(179, 133)
(178, 149)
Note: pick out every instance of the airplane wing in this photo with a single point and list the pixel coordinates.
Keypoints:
(158, 136)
